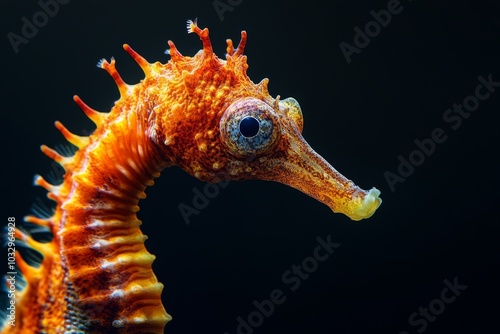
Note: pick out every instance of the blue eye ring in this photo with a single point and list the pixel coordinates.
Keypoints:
(249, 127)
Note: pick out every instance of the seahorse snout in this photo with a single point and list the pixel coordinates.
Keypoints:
(302, 168)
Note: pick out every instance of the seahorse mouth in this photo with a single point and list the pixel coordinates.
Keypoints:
(368, 206)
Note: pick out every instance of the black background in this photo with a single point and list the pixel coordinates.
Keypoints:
(441, 223)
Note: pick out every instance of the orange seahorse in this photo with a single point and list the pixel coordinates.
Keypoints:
(200, 113)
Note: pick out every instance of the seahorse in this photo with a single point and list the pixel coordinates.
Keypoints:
(200, 113)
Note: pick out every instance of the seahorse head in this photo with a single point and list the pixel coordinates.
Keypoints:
(222, 126)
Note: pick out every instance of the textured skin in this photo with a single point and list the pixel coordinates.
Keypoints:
(96, 274)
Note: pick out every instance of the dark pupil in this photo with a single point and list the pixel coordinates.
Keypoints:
(249, 127)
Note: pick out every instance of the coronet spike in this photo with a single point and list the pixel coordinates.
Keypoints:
(78, 141)
(173, 52)
(94, 115)
(40, 181)
(263, 84)
(63, 161)
(43, 248)
(203, 34)
(241, 46)
(191, 25)
(143, 63)
(38, 221)
(230, 47)
(110, 67)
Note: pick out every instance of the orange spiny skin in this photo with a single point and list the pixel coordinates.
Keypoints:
(200, 113)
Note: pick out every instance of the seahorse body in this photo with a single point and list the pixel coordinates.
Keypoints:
(200, 113)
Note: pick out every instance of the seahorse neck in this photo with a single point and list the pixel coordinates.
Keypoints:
(101, 246)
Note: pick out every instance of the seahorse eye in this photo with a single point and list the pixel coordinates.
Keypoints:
(249, 127)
